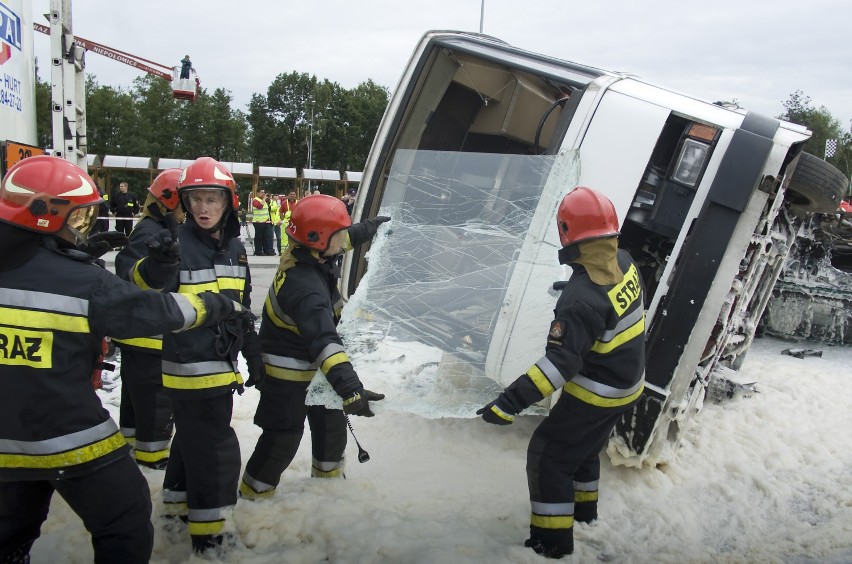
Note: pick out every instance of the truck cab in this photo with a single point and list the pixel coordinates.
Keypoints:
(478, 145)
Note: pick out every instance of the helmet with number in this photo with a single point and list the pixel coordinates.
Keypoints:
(316, 219)
(208, 174)
(585, 214)
(49, 195)
(165, 188)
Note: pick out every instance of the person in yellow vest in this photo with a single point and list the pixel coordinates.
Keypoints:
(287, 207)
(262, 224)
(275, 217)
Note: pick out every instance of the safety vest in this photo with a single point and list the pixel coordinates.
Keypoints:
(261, 214)
(274, 209)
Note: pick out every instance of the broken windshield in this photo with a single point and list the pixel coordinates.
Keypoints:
(447, 274)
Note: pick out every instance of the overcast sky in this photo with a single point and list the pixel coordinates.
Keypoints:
(757, 52)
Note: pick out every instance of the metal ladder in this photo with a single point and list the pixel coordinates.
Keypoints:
(68, 87)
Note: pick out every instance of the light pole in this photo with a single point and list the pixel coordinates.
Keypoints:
(481, 15)
(311, 139)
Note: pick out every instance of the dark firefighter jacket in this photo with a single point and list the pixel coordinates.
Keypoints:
(596, 344)
(132, 264)
(203, 362)
(55, 309)
(124, 204)
(298, 330)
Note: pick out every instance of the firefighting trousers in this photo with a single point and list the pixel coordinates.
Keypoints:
(146, 410)
(114, 503)
(203, 471)
(281, 413)
(563, 467)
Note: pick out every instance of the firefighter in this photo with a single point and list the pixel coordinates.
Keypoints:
(200, 371)
(145, 414)
(298, 335)
(595, 352)
(58, 303)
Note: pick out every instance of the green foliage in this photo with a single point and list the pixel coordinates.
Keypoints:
(300, 120)
(824, 126)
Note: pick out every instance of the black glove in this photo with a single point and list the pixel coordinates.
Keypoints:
(364, 231)
(359, 403)
(254, 361)
(101, 243)
(163, 248)
(497, 413)
(256, 370)
(219, 308)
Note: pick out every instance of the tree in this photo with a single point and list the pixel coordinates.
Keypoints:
(824, 126)
(44, 118)
(110, 120)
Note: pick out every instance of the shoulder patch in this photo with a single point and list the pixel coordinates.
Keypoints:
(557, 329)
(242, 259)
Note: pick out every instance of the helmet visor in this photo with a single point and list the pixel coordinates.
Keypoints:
(82, 219)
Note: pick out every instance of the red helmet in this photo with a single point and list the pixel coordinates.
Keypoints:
(314, 220)
(585, 214)
(210, 174)
(165, 188)
(44, 194)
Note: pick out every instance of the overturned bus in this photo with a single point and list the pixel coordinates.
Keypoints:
(478, 145)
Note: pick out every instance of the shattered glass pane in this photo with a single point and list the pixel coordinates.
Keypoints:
(421, 325)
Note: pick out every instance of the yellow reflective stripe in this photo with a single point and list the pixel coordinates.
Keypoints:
(276, 320)
(142, 342)
(317, 473)
(290, 374)
(200, 311)
(198, 288)
(593, 399)
(500, 413)
(24, 347)
(628, 334)
(201, 382)
(155, 456)
(136, 277)
(626, 292)
(248, 492)
(44, 320)
(545, 388)
(334, 360)
(175, 508)
(206, 527)
(552, 521)
(580, 497)
(232, 284)
(68, 458)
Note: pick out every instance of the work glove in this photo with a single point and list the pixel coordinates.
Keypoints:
(256, 370)
(219, 308)
(164, 248)
(101, 243)
(497, 413)
(254, 361)
(359, 403)
(364, 231)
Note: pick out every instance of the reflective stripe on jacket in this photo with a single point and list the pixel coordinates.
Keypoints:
(52, 422)
(298, 330)
(204, 360)
(596, 345)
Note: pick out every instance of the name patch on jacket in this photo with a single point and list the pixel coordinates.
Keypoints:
(626, 292)
(22, 347)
